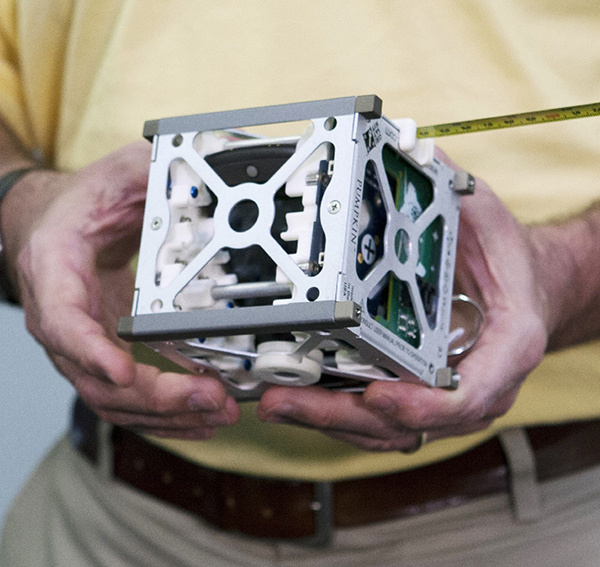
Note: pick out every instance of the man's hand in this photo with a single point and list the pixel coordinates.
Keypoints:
(496, 267)
(69, 239)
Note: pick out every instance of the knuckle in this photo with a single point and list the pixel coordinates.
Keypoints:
(41, 327)
(469, 411)
(325, 419)
(419, 416)
(474, 410)
(158, 404)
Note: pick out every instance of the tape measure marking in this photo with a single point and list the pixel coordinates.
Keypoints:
(509, 121)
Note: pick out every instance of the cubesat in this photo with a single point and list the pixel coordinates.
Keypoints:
(317, 249)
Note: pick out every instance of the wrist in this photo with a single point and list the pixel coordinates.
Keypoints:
(566, 258)
(7, 181)
(23, 191)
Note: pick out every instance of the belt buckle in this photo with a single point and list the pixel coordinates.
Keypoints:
(322, 505)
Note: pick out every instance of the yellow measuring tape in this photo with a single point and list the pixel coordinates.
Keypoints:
(509, 121)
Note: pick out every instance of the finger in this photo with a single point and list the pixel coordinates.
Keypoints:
(363, 432)
(169, 393)
(165, 404)
(78, 339)
(321, 409)
(400, 441)
(62, 312)
(176, 425)
(153, 393)
(190, 425)
(490, 377)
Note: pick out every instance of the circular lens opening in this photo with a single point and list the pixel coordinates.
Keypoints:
(243, 215)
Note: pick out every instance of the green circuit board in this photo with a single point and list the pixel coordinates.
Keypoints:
(391, 303)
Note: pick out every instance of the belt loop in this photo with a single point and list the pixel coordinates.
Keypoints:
(105, 450)
(83, 433)
(93, 438)
(524, 488)
(322, 505)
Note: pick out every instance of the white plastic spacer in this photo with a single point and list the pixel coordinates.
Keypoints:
(421, 150)
(276, 364)
(408, 134)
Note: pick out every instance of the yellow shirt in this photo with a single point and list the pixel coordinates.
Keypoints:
(78, 78)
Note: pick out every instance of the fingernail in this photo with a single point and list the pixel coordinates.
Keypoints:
(202, 402)
(383, 404)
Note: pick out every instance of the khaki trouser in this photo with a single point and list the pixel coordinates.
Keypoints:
(72, 514)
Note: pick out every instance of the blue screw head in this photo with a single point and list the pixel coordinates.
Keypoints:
(194, 191)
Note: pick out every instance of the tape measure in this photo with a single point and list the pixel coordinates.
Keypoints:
(509, 121)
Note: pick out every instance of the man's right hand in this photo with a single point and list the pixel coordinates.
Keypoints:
(69, 240)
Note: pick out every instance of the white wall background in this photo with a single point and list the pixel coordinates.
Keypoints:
(35, 404)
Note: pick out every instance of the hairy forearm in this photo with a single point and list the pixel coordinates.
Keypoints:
(568, 271)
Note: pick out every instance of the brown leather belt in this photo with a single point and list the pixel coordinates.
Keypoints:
(287, 509)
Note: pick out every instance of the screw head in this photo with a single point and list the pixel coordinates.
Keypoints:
(156, 223)
(334, 207)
